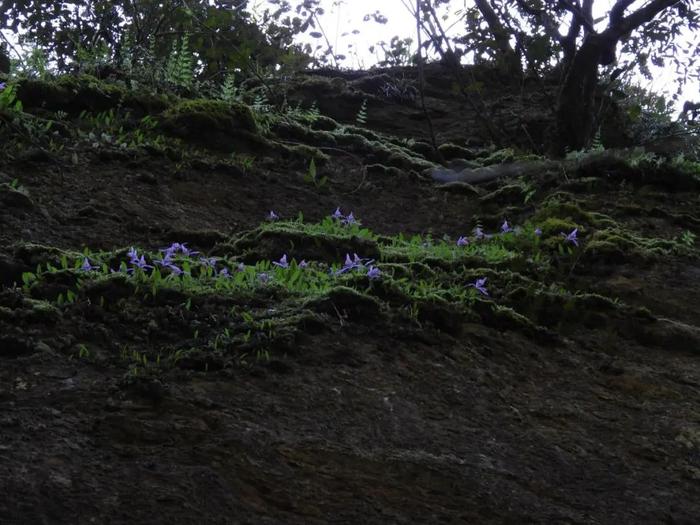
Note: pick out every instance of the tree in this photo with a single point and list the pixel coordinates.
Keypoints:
(575, 114)
(221, 33)
(525, 35)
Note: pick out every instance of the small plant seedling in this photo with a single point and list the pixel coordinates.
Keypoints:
(312, 176)
(687, 238)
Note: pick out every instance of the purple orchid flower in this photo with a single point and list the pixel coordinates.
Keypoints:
(303, 264)
(479, 285)
(140, 263)
(166, 262)
(240, 267)
(224, 273)
(505, 227)
(264, 277)
(571, 237)
(374, 273)
(2, 86)
(462, 241)
(272, 216)
(538, 232)
(208, 261)
(182, 248)
(349, 220)
(87, 267)
(282, 263)
(351, 263)
(479, 233)
(337, 214)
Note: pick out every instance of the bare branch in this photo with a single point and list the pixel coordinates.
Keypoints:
(500, 34)
(639, 17)
(618, 11)
(549, 23)
(587, 10)
(579, 14)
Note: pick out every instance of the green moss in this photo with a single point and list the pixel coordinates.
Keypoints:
(292, 130)
(424, 149)
(616, 245)
(70, 93)
(508, 194)
(379, 152)
(499, 157)
(201, 113)
(384, 171)
(356, 130)
(452, 151)
(318, 85)
(557, 209)
(353, 140)
(144, 103)
(34, 254)
(343, 300)
(304, 153)
(505, 318)
(299, 241)
(214, 124)
(323, 123)
(554, 227)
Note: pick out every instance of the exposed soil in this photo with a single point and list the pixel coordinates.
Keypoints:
(357, 416)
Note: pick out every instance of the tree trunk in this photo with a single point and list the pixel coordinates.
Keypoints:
(4, 60)
(507, 59)
(575, 111)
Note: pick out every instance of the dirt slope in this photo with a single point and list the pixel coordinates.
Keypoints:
(569, 394)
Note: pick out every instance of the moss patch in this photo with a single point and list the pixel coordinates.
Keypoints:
(213, 124)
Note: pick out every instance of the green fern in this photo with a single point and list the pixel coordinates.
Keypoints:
(179, 69)
(36, 64)
(229, 91)
(314, 112)
(126, 60)
(361, 118)
(9, 100)
(260, 103)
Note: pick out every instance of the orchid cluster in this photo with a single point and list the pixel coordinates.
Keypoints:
(357, 263)
(507, 228)
(183, 264)
(284, 263)
(178, 258)
(345, 220)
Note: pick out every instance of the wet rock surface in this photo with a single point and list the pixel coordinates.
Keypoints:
(569, 395)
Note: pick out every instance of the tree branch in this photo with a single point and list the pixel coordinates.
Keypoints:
(618, 11)
(548, 22)
(421, 78)
(499, 32)
(587, 10)
(580, 15)
(639, 17)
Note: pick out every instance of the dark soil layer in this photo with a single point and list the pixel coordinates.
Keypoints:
(570, 395)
